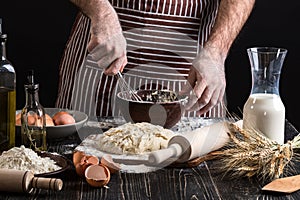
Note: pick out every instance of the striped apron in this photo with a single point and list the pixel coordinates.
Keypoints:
(163, 37)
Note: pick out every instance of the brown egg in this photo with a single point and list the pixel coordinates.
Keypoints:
(84, 163)
(49, 122)
(58, 114)
(62, 118)
(97, 175)
(77, 156)
(79, 170)
(30, 120)
(48, 117)
(18, 119)
(110, 164)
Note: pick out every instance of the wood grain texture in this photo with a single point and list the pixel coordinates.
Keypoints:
(202, 181)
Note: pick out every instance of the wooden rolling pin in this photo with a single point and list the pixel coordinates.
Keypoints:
(12, 180)
(186, 146)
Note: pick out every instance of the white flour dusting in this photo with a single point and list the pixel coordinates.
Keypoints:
(22, 158)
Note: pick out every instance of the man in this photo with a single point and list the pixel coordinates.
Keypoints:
(177, 45)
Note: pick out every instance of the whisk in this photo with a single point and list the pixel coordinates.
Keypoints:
(125, 88)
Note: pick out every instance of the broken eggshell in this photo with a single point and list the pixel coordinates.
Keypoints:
(97, 175)
(77, 156)
(85, 162)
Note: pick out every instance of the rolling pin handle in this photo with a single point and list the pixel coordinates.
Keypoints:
(47, 183)
(13, 180)
(157, 157)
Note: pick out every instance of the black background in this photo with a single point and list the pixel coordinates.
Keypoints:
(38, 31)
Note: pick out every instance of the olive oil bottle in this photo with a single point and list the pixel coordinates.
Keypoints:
(33, 118)
(7, 97)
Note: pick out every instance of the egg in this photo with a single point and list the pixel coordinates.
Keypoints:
(85, 161)
(49, 120)
(54, 117)
(48, 117)
(77, 156)
(18, 119)
(62, 118)
(97, 175)
(50, 123)
(31, 120)
(110, 164)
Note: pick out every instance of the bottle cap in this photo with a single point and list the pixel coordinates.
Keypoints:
(2, 36)
(30, 77)
(30, 80)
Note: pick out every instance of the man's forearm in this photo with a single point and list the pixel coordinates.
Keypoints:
(231, 17)
(91, 8)
(107, 44)
(102, 15)
(88, 7)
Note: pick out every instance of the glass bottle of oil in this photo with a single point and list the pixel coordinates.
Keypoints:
(33, 119)
(7, 97)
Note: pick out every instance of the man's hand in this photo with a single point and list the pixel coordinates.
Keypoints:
(207, 78)
(107, 45)
(206, 81)
(109, 53)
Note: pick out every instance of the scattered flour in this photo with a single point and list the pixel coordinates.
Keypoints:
(22, 158)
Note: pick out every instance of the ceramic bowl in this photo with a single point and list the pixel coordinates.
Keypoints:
(165, 114)
(61, 131)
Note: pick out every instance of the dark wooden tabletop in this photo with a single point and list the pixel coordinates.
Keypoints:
(200, 182)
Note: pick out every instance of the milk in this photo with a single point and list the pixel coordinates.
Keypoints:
(266, 113)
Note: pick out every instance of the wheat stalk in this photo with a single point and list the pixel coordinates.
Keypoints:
(249, 153)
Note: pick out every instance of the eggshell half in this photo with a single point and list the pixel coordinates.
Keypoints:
(85, 161)
(97, 175)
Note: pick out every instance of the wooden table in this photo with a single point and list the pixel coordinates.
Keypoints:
(200, 182)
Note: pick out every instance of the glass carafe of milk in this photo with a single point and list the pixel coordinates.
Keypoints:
(264, 110)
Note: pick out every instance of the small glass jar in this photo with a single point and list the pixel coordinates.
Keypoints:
(33, 118)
